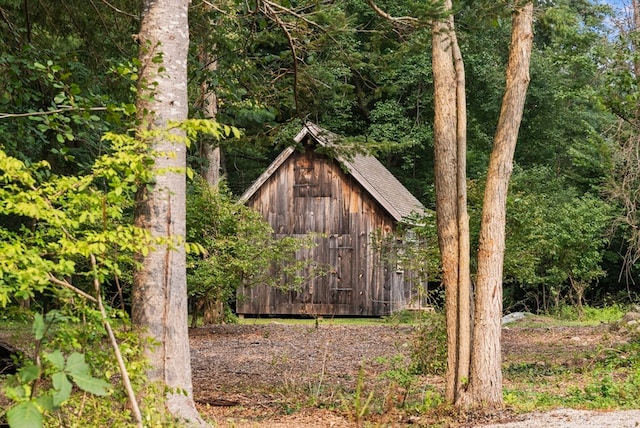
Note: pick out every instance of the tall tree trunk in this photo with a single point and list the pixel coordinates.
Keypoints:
(451, 203)
(212, 306)
(465, 296)
(211, 153)
(159, 295)
(485, 383)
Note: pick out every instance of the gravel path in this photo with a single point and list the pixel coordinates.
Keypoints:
(570, 418)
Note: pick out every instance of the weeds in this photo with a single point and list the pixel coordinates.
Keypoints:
(590, 314)
(358, 407)
(533, 370)
(429, 345)
(608, 378)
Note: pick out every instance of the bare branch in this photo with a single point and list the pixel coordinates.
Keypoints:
(409, 20)
(114, 344)
(214, 7)
(68, 285)
(119, 11)
(293, 13)
(274, 15)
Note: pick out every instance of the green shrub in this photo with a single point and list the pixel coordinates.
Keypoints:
(234, 247)
(429, 345)
(68, 376)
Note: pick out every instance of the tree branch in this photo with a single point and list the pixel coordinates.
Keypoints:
(268, 10)
(48, 112)
(76, 290)
(410, 20)
(120, 11)
(114, 344)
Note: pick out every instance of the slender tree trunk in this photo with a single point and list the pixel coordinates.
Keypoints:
(212, 306)
(451, 203)
(465, 296)
(211, 153)
(159, 295)
(485, 385)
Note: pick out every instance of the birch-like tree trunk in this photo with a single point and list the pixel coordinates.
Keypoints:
(485, 383)
(451, 201)
(159, 298)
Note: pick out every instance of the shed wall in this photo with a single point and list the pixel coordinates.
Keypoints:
(309, 193)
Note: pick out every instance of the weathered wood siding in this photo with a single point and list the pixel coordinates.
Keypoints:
(309, 193)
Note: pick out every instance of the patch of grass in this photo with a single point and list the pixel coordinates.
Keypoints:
(401, 317)
(409, 316)
(590, 315)
(532, 370)
(606, 379)
(313, 321)
(606, 376)
(568, 316)
(527, 400)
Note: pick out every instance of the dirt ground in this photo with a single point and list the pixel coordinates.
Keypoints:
(254, 375)
(277, 375)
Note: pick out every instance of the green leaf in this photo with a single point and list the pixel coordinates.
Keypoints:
(45, 402)
(78, 369)
(59, 99)
(29, 373)
(62, 388)
(56, 359)
(76, 364)
(38, 326)
(91, 384)
(24, 415)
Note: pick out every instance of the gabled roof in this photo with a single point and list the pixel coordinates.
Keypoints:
(365, 169)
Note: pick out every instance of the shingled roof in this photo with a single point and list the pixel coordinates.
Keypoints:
(365, 169)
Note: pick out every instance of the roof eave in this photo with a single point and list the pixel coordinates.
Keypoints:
(266, 174)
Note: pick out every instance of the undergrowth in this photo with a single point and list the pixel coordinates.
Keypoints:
(589, 314)
(606, 377)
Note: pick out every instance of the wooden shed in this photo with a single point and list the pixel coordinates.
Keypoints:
(345, 201)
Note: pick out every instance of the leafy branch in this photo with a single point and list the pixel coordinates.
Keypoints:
(64, 109)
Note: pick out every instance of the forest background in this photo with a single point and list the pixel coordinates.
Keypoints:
(69, 77)
(570, 225)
